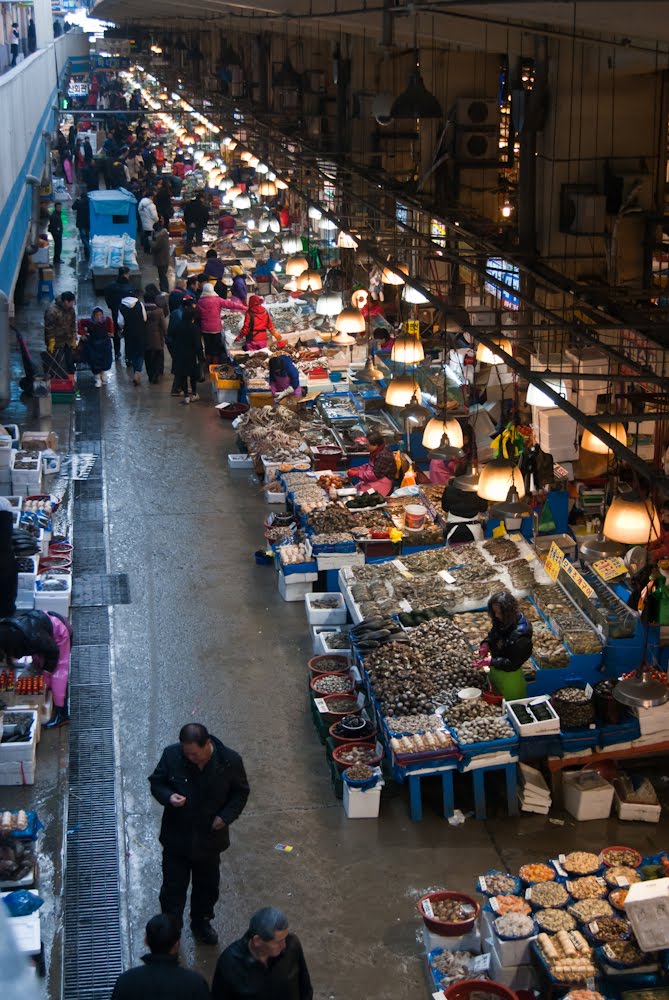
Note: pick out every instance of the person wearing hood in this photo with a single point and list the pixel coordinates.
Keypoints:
(156, 330)
(284, 378)
(162, 253)
(133, 315)
(186, 347)
(381, 470)
(82, 207)
(47, 638)
(98, 333)
(257, 325)
(208, 312)
(239, 289)
(507, 646)
(160, 974)
(148, 216)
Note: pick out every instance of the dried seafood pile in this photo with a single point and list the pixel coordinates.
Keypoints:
(271, 431)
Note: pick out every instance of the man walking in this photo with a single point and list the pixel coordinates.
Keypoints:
(196, 217)
(161, 975)
(203, 787)
(266, 964)
(161, 254)
(114, 294)
(56, 230)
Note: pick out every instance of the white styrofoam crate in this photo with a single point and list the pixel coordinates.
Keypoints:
(514, 977)
(21, 752)
(27, 580)
(325, 616)
(515, 952)
(637, 812)
(586, 803)
(647, 906)
(291, 591)
(224, 395)
(17, 772)
(271, 497)
(240, 461)
(5, 452)
(55, 601)
(362, 803)
(551, 725)
(326, 649)
(316, 632)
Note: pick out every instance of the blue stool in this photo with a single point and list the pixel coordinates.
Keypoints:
(478, 781)
(45, 289)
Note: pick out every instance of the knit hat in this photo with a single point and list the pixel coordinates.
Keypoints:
(236, 269)
(207, 289)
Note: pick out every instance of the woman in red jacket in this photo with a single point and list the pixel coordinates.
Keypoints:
(208, 311)
(257, 325)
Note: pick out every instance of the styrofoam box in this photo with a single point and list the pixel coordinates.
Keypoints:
(586, 803)
(325, 616)
(271, 497)
(240, 461)
(293, 591)
(18, 772)
(325, 648)
(467, 942)
(516, 952)
(551, 725)
(58, 601)
(360, 803)
(225, 395)
(21, 752)
(27, 580)
(636, 811)
(5, 451)
(515, 977)
(647, 906)
(316, 632)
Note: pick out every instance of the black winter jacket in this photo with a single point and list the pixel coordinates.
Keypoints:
(160, 976)
(30, 633)
(511, 647)
(220, 790)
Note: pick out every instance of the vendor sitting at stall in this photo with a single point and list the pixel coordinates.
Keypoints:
(239, 289)
(213, 266)
(507, 646)
(226, 224)
(265, 275)
(381, 470)
(284, 378)
(257, 325)
(47, 639)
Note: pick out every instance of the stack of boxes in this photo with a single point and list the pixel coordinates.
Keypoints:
(588, 361)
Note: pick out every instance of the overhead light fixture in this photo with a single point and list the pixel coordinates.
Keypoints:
(590, 441)
(408, 351)
(414, 412)
(370, 373)
(497, 478)
(246, 155)
(536, 397)
(233, 192)
(346, 241)
(263, 223)
(350, 321)
(291, 244)
(632, 520)
(241, 202)
(309, 281)
(468, 482)
(326, 224)
(390, 277)
(296, 265)
(282, 186)
(401, 390)
(511, 507)
(414, 297)
(445, 451)
(437, 427)
(487, 357)
(329, 304)
(262, 168)
(314, 213)
(641, 691)
(274, 225)
(599, 548)
(359, 298)
(344, 339)
(267, 189)
(416, 101)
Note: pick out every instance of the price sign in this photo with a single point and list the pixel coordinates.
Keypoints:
(427, 908)
(554, 560)
(401, 568)
(413, 327)
(609, 569)
(574, 574)
(321, 704)
(445, 575)
(479, 964)
(405, 606)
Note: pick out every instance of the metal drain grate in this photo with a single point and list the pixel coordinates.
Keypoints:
(90, 446)
(88, 490)
(89, 560)
(93, 590)
(88, 510)
(90, 665)
(91, 627)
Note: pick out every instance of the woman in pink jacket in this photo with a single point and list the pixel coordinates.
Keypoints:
(208, 311)
(47, 638)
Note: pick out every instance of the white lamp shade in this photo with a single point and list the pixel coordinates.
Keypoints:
(535, 396)
(408, 351)
(225, 184)
(282, 186)
(350, 321)
(262, 168)
(267, 189)
(343, 339)
(632, 521)
(435, 430)
(233, 192)
(296, 265)
(401, 391)
(309, 281)
(291, 285)
(245, 155)
(274, 225)
(314, 213)
(414, 297)
(346, 241)
(291, 244)
(263, 223)
(359, 298)
(253, 162)
(241, 202)
(488, 357)
(326, 224)
(389, 277)
(497, 478)
(329, 304)
(590, 441)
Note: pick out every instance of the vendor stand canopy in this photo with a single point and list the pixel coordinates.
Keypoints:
(113, 213)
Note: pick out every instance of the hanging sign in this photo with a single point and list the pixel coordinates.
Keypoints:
(574, 574)
(609, 569)
(412, 327)
(554, 560)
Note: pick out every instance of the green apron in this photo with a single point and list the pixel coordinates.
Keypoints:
(510, 684)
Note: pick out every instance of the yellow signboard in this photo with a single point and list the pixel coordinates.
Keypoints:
(412, 327)
(572, 572)
(554, 560)
(609, 569)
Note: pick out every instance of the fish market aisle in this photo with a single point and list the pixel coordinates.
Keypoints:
(207, 638)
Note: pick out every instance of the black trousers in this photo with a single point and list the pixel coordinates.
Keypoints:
(57, 247)
(162, 278)
(178, 871)
(181, 384)
(155, 363)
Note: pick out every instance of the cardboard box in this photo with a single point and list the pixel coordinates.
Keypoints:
(39, 440)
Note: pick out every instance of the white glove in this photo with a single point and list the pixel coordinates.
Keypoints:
(285, 392)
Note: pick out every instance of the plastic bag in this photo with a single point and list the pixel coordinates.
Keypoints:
(22, 903)
(99, 252)
(115, 251)
(129, 252)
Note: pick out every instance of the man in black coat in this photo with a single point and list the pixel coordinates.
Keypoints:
(161, 975)
(196, 217)
(114, 294)
(203, 787)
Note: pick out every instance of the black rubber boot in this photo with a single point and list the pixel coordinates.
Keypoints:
(59, 718)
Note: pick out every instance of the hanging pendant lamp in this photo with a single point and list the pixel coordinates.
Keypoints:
(414, 412)
(437, 427)
(296, 265)
(370, 373)
(488, 357)
(416, 101)
(344, 339)
(414, 297)
(346, 241)
(401, 390)
(513, 506)
(390, 277)
(309, 281)
(631, 520)
(445, 451)
(291, 244)
(350, 321)
(641, 691)
(599, 548)
(497, 478)
(468, 482)
(241, 202)
(329, 304)
(267, 189)
(408, 351)
(590, 441)
(535, 396)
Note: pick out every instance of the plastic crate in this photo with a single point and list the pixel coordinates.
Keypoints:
(620, 733)
(574, 740)
(534, 747)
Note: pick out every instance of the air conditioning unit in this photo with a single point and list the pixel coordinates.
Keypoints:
(477, 112)
(477, 147)
(582, 210)
(483, 316)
